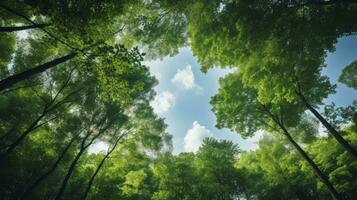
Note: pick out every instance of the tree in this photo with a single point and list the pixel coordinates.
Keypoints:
(215, 165)
(147, 131)
(283, 66)
(341, 116)
(100, 121)
(237, 108)
(273, 171)
(176, 176)
(50, 105)
(149, 24)
(335, 161)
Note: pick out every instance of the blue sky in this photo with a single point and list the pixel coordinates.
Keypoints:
(184, 92)
(346, 53)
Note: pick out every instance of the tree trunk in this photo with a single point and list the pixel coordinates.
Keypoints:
(82, 149)
(23, 135)
(68, 175)
(93, 176)
(11, 80)
(73, 164)
(313, 165)
(99, 167)
(330, 128)
(50, 171)
(21, 28)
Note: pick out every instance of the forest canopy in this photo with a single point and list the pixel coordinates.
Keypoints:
(73, 75)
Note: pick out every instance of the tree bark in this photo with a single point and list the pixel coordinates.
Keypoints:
(11, 80)
(21, 28)
(330, 128)
(29, 190)
(303, 154)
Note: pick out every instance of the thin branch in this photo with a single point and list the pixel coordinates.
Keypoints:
(34, 23)
(17, 88)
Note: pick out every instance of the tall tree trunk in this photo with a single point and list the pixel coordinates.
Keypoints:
(330, 128)
(312, 164)
(11, 80)
(74, 163)
(83, 147)
(99, 167)
(68, 175)
(21, 28)
(93, 176)
(29, 190)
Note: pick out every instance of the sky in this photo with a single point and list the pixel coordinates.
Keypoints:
(184, 92)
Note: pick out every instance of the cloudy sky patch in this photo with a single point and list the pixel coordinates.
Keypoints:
(185, 79)
(163, 102)
(194, 137)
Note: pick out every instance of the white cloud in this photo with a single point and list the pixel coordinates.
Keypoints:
(163, 102)
(194, 137)
(185, 78)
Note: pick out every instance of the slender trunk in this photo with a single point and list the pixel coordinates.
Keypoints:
(11, 80)
(52, 105)
(330, 128)
(68, 175)
(93, 176)
(99, 167)
(23, 135)
(313, 165)
(29, 190)
(83, 147)
(21, 28)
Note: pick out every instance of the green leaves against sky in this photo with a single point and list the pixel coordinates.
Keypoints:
(72, 77)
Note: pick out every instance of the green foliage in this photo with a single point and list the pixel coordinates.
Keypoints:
(237, 107)
(341, 116)
(150, 24)
(7, 47)
(122, 76)
(274, 172)
(134, 185)
(50, 121)
(349, 75)
(208, 174)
